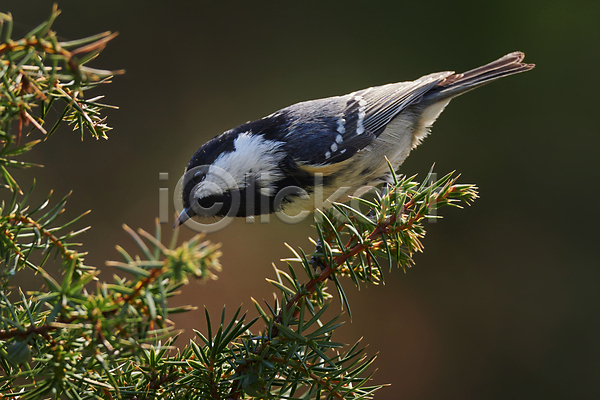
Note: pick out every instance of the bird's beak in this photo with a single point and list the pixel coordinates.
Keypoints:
(186, 214)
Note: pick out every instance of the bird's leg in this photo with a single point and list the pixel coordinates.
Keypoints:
(316, 261)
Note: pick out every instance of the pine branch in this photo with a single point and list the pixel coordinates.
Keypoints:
(31, 77)
(400, 211)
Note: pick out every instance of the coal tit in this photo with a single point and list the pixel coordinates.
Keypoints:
(272, 164)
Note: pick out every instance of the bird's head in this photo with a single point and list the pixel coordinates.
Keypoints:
(231, 175)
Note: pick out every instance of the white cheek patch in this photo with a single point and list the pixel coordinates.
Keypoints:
(253, 157)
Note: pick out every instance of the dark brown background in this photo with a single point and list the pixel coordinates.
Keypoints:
(503, 303)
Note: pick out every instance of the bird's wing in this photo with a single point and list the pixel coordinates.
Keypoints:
(360, 118)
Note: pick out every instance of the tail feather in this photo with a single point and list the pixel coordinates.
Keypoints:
(457, 84)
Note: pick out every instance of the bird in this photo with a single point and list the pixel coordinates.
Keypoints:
(281, 162)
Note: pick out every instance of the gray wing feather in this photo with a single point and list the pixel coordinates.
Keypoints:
(329, 131)
(387, 101)
(368, 111)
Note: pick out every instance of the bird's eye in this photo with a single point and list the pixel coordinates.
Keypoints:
(207, 202)
(198, 178)
(196, 174)
(195, 179)
(199, 175)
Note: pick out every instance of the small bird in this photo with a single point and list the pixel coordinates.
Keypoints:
(279, 162)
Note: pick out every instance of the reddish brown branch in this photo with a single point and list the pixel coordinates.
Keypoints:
(44, 329)
(67, 254)
(142, 283)
(39, 330)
